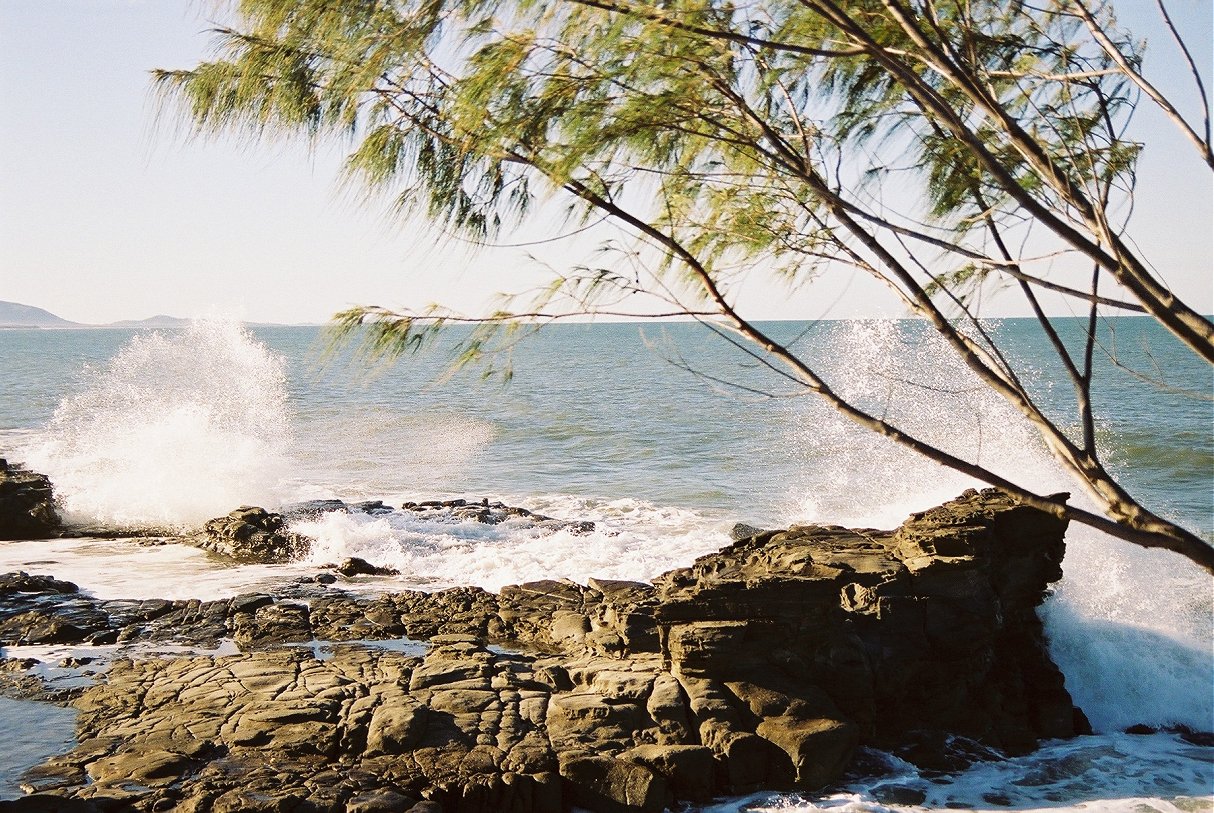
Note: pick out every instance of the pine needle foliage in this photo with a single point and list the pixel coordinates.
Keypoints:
(919, 141)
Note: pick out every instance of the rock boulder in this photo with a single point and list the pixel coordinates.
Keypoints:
(251, 534)
(27, 504)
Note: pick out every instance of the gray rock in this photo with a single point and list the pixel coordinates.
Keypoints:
(741, 531)
(361, 567)
(493, 513)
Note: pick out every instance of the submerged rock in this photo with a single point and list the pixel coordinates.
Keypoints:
(27, 504)
(765, 665)
(492, 513)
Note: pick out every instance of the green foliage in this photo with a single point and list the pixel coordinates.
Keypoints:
(728, 138)
(923, 142)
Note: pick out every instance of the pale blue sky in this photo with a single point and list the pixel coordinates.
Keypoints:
(104, 218)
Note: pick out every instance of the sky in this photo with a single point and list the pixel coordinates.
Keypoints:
(107, 215)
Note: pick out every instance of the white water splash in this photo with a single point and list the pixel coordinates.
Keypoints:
(178, 427)
(633, 540)
(1130, 628)
(904, 372)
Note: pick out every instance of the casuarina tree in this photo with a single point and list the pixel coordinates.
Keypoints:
(727, 138)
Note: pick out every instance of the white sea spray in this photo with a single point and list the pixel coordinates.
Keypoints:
(1130, 628)
(906, 374)
(176, 428)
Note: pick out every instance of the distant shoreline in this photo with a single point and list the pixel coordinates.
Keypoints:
(185, 324)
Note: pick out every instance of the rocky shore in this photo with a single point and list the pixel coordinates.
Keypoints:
(766, 665)
(27, 504)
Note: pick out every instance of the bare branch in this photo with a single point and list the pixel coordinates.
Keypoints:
(1204, 147)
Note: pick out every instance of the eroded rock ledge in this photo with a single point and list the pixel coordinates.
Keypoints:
(764, 665)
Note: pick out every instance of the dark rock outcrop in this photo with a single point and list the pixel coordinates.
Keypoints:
(912, 634)
(764, 665)
(251, 534)
(355, 566)
(27, 504)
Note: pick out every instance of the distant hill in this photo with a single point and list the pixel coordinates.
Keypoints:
(152, 321)
(13, 314)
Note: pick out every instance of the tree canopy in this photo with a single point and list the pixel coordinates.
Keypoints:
(941, 146)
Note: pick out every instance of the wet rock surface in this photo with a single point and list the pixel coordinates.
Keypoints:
(765, 665)
(27, 504)
(252, 534)
(492, 513)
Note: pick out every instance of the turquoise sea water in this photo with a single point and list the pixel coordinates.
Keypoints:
(640, 430)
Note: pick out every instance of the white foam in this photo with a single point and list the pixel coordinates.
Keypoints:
(1114, 774)
(177, 428)
(632, 540)
(126, 569)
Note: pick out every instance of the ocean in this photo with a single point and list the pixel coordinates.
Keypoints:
(664, 435)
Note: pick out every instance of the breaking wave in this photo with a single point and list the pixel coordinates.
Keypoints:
(176, 428)
(1130, 628)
